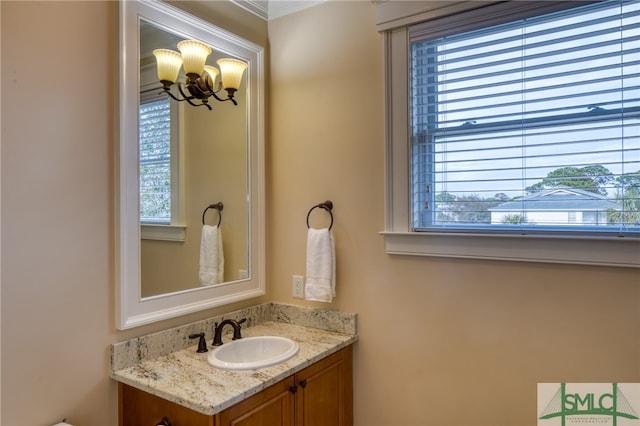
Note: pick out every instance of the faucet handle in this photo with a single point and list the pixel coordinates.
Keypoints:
(236, 330)
(202, 344)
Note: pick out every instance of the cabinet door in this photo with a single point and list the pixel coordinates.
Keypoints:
(273, 406)
(139, 408)
(325, 392)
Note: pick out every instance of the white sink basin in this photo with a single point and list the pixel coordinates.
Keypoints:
(253, 352)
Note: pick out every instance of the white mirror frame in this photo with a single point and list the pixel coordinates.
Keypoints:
(131, 309)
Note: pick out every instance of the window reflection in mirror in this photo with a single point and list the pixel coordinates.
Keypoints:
(189, 158)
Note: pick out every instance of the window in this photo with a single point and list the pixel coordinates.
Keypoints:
(159, 167)
(521, 135)
(517, 125)
(155, 162)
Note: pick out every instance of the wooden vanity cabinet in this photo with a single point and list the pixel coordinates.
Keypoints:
(139, 408)
(272, 406)
(325, 391)
(319, 395)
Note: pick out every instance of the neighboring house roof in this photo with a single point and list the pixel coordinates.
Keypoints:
(560, 199)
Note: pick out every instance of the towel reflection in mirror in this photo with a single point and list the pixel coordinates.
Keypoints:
(211, 255)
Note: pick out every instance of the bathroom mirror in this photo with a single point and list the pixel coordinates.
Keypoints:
(191, 158)
(216, 157)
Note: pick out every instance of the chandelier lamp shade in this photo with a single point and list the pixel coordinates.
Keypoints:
(202, 80)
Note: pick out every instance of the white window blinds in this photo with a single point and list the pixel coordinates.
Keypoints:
(529, 126)
(155, 162)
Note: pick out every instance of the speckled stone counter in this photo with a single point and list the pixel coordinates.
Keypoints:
(158, 365)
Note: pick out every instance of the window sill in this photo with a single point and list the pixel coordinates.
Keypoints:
(581, 251)
(163, 232)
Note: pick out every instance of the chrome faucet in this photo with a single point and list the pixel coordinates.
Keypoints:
(217, 334)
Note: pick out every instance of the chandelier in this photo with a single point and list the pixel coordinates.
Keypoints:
(200, 84)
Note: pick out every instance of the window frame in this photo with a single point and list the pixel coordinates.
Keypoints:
(399, 236)
(175, 230)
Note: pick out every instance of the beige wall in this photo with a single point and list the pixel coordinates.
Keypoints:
(215, 152)
(57, 298)
(442, 341)
(59, 81)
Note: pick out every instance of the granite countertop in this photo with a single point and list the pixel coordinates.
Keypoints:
(186, 378)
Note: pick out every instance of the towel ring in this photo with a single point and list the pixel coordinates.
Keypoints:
(328, 206)
(217, 206)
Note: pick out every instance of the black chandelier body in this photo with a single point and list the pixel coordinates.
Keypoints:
(198, 88)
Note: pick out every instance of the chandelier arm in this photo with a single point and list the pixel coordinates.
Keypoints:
(197, 105)
(184, 95)
(196, 91)
(171, 95)
(217, 97)
(189, 98)
(223, 100)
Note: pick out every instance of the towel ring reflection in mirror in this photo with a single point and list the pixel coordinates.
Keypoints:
(328, 206)
(217, 206)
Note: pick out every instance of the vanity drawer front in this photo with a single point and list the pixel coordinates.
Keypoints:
(139, 408)
(274, 406)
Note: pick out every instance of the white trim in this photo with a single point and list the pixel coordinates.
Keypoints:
(396, 14)
(131, 309)
(396, 131)
(580, 251)
(269, 9)
(280, 8)
(163, 232)
(259, 8)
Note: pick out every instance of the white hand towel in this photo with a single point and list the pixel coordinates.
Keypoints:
(320, 284)
(211, 256)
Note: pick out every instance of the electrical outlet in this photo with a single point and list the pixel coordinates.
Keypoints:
(298, 286)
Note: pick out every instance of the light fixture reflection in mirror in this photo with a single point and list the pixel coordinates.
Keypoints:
(201, 79)
(132, 308)
(207, 163)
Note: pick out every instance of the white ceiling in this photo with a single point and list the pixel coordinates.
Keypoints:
(272, 9)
